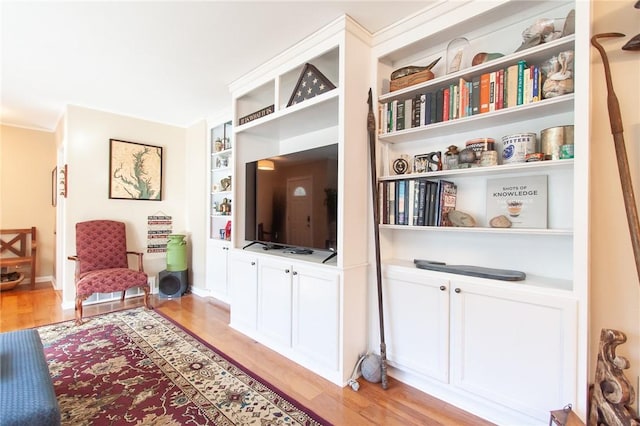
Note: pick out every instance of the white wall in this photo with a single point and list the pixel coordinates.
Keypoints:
(615, 285)
(86, 152)
(195, 190)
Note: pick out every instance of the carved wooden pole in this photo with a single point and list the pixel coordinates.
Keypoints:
(615, 118)
(371, 128)
(612, 392)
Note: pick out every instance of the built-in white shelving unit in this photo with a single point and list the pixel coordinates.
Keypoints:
(220, 207)
(507, 351)
(306, 307)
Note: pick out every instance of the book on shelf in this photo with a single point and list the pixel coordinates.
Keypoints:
(522, 65)
(484, 92)
(463, 94)
(401, 204)
(475, 95)
(414, 191)
(500, 89)
(439, 104)
(536, 93)
(422, 198)
(514, 85)
(400, 115)
(522, 199)
(391, 200)
(416, 202)
(493, 91)
(383, 206)
(446, 99)
(432, 203)
(417, 105)
(447, 195)
(511, 86)
(425, 111)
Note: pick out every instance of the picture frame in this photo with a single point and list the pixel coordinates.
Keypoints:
(135, 171)
(425, 163)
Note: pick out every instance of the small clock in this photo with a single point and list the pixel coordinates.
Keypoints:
(400, 166)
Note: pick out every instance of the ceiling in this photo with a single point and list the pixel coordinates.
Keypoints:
(169, 62)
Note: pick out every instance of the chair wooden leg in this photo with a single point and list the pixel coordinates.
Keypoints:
(33, 273)
(146, 299)
(79, 311)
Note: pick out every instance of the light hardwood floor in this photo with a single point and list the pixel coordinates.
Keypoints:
(371, 405)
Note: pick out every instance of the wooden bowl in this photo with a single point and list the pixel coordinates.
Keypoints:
(10, 285)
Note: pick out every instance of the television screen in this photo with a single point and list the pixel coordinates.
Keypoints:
(292, 200)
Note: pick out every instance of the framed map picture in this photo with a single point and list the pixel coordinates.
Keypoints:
(135, 171)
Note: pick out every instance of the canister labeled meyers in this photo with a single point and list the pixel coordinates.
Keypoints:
(516, 147)
(176, 253)
(553, 138)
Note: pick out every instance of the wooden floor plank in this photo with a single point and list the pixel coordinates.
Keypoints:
(208, 319)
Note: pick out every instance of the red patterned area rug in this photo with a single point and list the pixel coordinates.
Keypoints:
(138, 367)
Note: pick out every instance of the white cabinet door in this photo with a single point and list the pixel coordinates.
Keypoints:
(217, 265)
(416, 317)
(316, 315)
(274, 301)
(514, 347)
(244, 291)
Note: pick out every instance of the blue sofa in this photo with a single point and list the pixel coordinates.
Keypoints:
(27, 396)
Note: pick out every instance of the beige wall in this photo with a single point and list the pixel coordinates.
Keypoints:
(86, 151)
(27, 158)
(615, 285)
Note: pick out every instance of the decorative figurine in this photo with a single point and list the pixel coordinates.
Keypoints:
(500, 222)
(461, 219)
(559, 73)
(457, 54)
(483, 57)
(451, 158)
(434, 161)
(467, 157)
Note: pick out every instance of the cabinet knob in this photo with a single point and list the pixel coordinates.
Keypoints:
(286, 271)
(295, 272)
(457, 290)
(253, 263)
(442, 288)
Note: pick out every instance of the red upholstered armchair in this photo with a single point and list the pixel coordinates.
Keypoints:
(102, 262)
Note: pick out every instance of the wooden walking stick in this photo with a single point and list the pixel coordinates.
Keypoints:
(371, 128)
(615, 118)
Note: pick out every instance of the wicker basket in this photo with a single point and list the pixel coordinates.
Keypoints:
(10, 285)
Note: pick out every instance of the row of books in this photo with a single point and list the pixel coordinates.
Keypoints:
(416, 202)
(515, 85)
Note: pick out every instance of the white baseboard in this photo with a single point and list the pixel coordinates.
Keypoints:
(200, 291)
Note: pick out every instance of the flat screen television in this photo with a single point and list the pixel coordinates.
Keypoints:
(292, 200)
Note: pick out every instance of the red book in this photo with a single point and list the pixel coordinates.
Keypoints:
(464, 98)
(445, 104)
(484, 93)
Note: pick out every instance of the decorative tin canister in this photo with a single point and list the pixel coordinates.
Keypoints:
(176, 253)
(479, 145)
(553, 138)
(489, 158)
(516, 147)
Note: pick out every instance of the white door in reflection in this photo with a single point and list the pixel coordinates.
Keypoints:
(299, 211)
